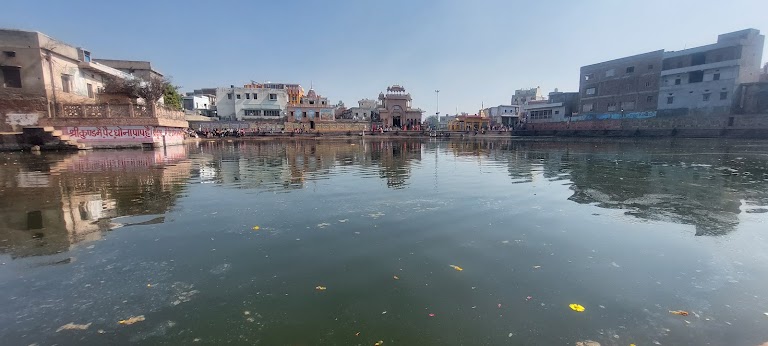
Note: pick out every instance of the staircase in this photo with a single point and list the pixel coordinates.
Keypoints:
(48, 138)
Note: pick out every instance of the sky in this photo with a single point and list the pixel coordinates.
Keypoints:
(475, 52)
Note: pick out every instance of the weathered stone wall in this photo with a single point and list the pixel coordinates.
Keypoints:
(17, 110)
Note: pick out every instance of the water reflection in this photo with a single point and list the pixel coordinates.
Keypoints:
(54, 201)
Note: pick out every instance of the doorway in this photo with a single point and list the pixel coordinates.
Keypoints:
(396, 122)
(312, 125)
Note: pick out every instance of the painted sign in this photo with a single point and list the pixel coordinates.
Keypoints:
(140, 134)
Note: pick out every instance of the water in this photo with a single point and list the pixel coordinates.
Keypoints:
(630, 230)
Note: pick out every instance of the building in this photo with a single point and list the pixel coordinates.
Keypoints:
(395, 109)
(235, 103)
(295, 91)
(365, 111)
(139, 69)
(560, 106)
(502, 115)
(312, 108)
(199, 104)
(624, 85)
(523, 96)
(704, 79)
(38, 73)
(466, 122)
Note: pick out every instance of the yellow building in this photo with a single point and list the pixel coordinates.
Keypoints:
(469, 123)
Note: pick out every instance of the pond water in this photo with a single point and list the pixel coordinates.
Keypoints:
(360, 241)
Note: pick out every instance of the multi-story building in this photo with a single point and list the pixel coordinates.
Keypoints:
(311, 109)
(365, 110)
(522, 96)
(235, 103)
(295, 91)
(395, 109)
(558, 107)
(139, 69)
(624, 85)
(704, 79)
(199, 104)
(502, 115)
(37, 72)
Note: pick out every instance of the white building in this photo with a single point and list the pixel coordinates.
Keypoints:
(705, 78)
(522, 96)
(364, 110)
(199, 104)
(503, 115)
(251, 103)
(544, 111)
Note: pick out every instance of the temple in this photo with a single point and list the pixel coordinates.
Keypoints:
(395, 110)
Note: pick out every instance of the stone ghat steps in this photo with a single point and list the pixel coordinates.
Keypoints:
(48, 138)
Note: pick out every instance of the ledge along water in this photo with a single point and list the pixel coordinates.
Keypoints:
(406, 241)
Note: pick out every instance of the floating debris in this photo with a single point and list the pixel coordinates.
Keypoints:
(536, 267)
(321, 288)
(323, 225)
(505, 241)
(576, 307)
(395, 277)
(246, 313)
(431, 315)
(587, 343)
(679, 312)
(256, 228)
(357, 334)
(528, 298)
(73, 326)
(456, 267)
(383, 312)
(132, 320)
(379, 343)
(345, 220)
(510, 335)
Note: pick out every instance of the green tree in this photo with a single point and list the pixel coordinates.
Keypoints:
(171, 97)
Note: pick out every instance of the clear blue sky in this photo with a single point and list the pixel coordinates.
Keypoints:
(473, 51)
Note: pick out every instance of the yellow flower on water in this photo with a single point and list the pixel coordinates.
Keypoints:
(255, 228)
(457, 267)
(576, 307)
(321, 288)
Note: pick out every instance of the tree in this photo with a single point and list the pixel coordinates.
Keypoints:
(171, 97)
(153, 89)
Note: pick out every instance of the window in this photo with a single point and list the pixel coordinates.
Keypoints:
(252, 112)
(591, 91)
(304, 114)
(588, 76)
(723, 95)
(311, 102)
(9, 54)
(237, 96)
(255, 96)
(650, 66)
(271, 112)
(11, 76)
(272, 97)
(587, 107)
(716, 76)
(628, 105)
(705, 96)
(695, 76)
(649, 99)
(647, 83)
(247, 96)
(89, 86)
(557, 112)
(229, 96)
(612, 106)
(66, 83)
(630, 69)
(670, 100)
(678, 81)
(610, 73)
(698, 59)
(322, 103)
